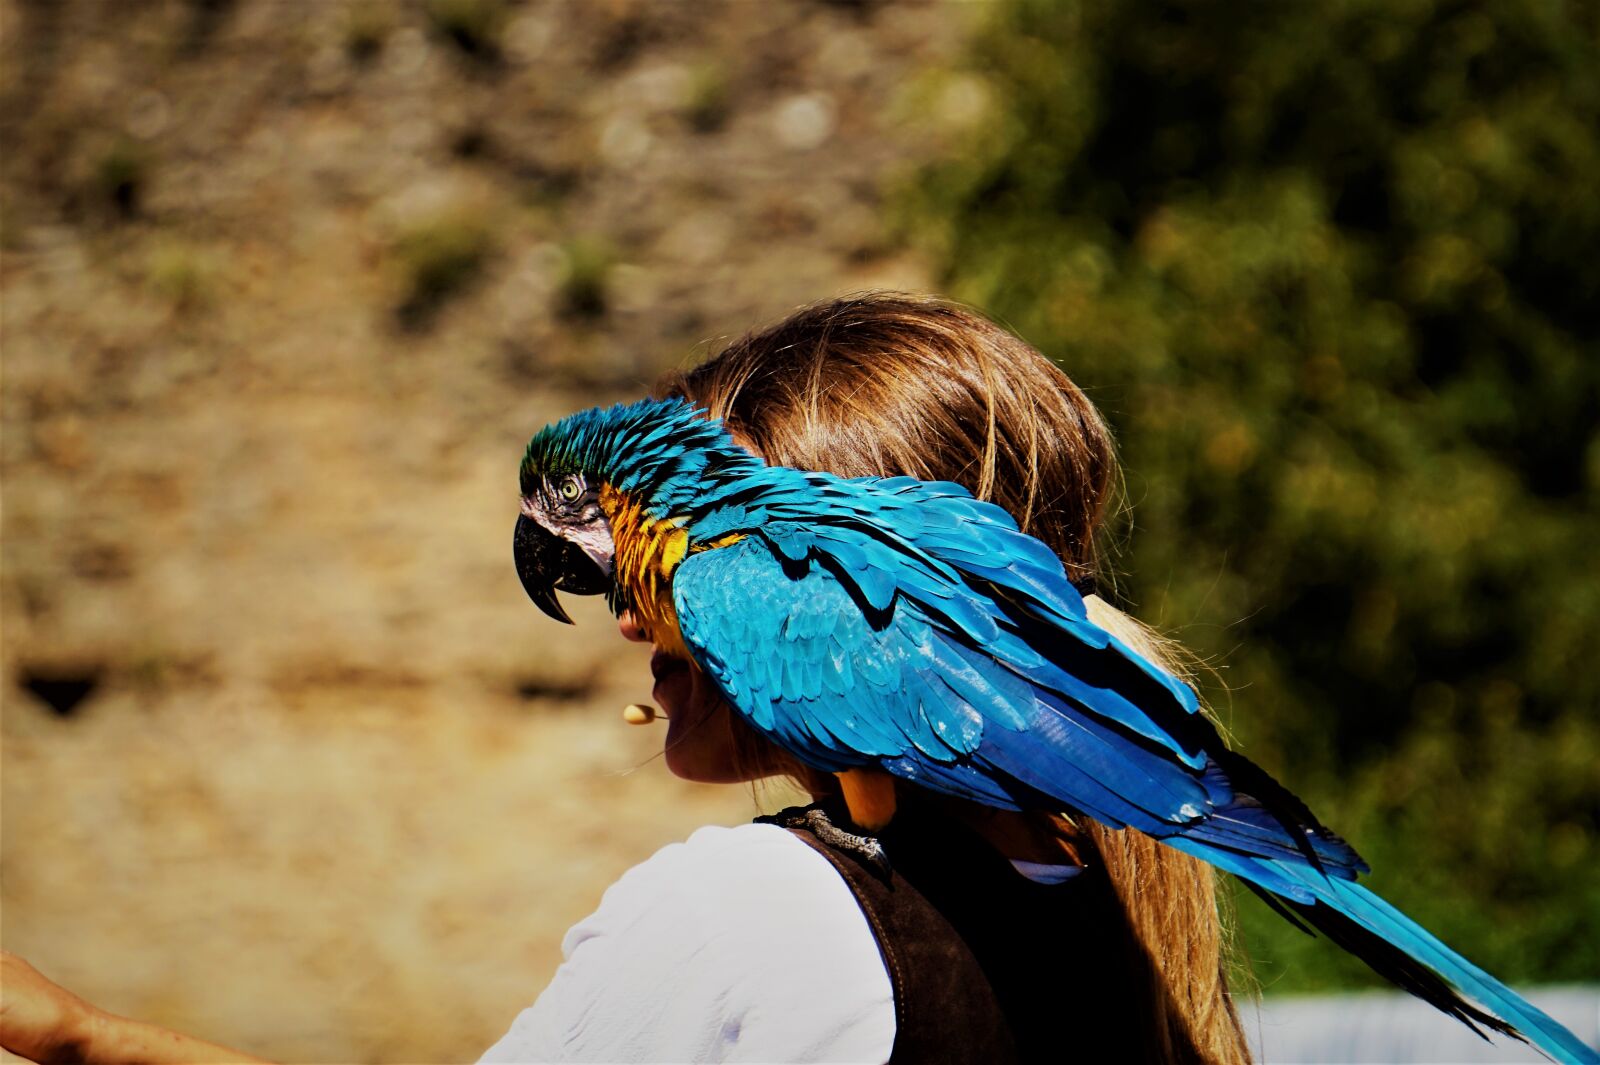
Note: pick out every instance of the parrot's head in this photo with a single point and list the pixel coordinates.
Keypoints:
(562, 539)
(653, 456)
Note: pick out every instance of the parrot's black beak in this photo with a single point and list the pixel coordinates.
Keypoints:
(546, 562)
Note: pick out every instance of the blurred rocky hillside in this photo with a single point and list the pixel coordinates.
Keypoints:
(289, 760)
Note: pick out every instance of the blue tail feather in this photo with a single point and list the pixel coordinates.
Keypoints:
(1396, 947)
(1382, 919)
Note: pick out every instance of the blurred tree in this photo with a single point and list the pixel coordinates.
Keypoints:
(1331, 272)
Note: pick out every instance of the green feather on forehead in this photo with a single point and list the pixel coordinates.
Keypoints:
(659, 452)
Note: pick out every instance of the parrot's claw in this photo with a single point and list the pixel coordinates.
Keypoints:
(866, 849)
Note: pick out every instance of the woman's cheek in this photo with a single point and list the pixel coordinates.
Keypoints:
(699, 744)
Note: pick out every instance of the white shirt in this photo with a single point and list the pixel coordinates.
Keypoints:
(742, 944)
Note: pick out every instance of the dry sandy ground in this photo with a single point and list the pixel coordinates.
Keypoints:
(286, 285)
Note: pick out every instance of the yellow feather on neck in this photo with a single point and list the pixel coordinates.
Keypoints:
(647, 551)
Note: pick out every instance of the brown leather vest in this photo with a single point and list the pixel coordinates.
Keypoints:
(987, 965)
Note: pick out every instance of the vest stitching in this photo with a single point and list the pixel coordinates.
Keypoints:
(885, 943)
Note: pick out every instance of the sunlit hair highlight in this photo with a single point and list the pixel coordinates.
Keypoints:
(881, 384)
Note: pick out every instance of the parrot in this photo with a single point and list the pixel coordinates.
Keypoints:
(890, 628)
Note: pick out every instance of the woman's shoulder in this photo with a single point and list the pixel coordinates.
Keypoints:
(757, 864)
(738, 943)
(741, 850)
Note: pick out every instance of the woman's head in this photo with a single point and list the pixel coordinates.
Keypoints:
(879, 385)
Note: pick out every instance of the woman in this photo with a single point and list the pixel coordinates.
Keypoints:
(883, 385)
(995, 935)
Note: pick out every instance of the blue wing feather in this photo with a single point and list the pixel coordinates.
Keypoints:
(936, 700)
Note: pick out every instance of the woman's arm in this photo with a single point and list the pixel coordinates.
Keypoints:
(42, 1021)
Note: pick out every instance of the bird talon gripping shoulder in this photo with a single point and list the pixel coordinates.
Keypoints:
(891, 629)
(865, 848)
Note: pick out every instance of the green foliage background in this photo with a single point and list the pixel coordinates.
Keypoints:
(1331, 270)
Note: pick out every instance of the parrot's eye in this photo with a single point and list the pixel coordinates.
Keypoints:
(570, 489)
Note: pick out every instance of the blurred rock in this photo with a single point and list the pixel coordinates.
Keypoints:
(805, 121)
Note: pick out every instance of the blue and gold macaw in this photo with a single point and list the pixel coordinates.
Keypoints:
(883, 628)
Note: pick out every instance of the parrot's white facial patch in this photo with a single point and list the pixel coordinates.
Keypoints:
(567, 507)
(595, 540)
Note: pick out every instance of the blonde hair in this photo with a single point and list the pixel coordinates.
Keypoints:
(884, 383)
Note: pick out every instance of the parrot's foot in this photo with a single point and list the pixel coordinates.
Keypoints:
(865, 849)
